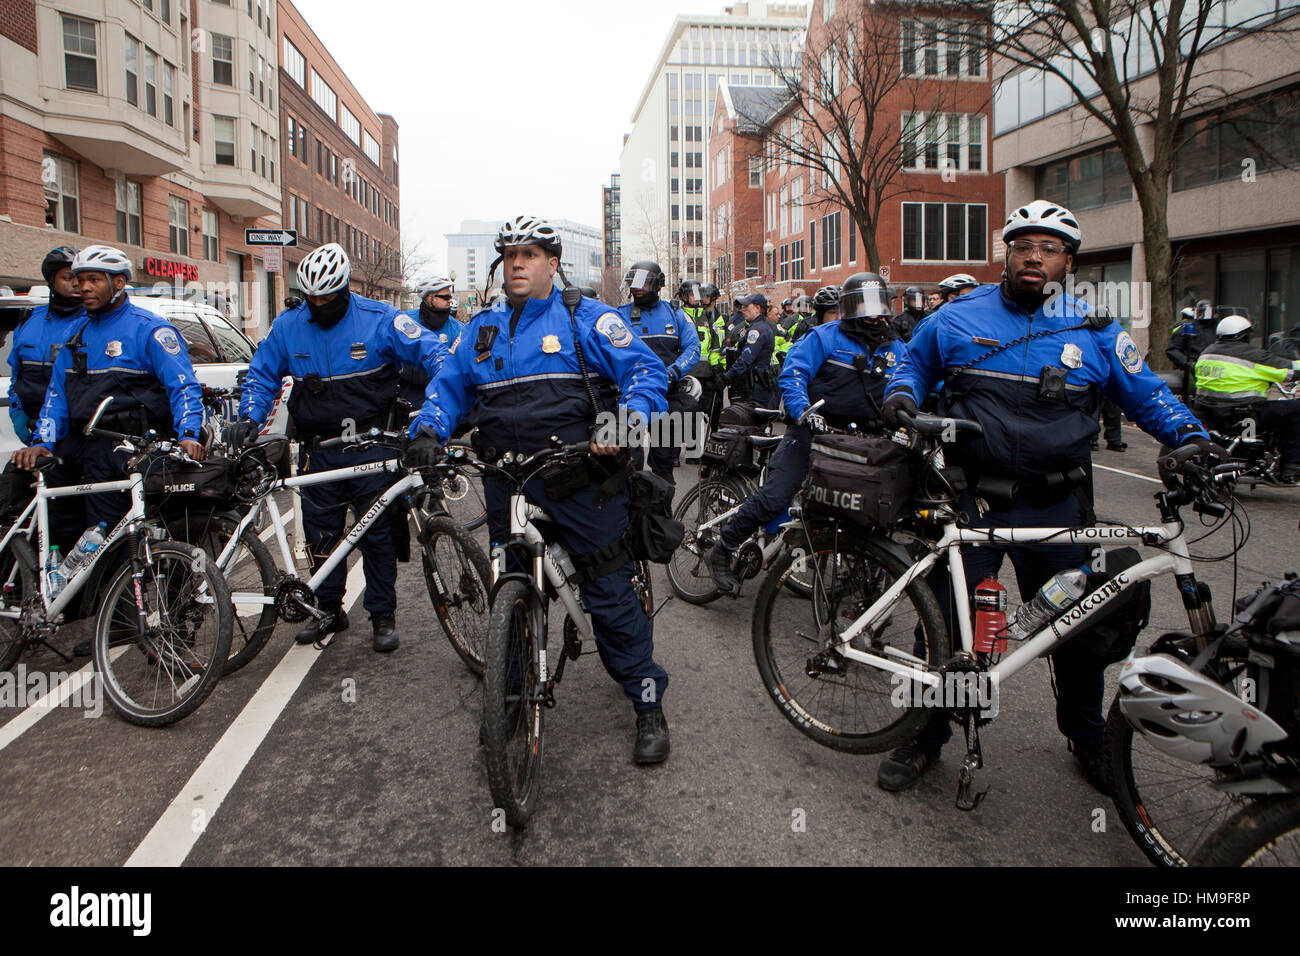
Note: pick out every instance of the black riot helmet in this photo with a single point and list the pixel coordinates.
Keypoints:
(787, 304)
(913, 298)
(827, 297)
(710, 292)
(865, 296)
(56, 259)
(644, 275)
(690, 294)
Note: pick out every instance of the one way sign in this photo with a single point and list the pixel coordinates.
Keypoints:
(270, 237)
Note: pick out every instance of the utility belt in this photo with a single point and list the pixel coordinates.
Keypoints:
(1003, 493)
(128, 423)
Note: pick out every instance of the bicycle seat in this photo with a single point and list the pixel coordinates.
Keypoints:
(268, 439)
(763, 442)
(48, 461)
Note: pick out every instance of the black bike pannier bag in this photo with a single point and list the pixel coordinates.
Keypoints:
(1109, 638)
(738, 413)
(729, 448)
(653, 534)
(866, 479)
(209, 482)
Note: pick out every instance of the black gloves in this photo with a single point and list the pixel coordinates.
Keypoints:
(895, 403)
(241, 433)
(816, 424)
(1207, 449)
(423, 452)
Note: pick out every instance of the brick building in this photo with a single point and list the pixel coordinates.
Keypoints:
(340, 164)
(776, 223)
(129, 123)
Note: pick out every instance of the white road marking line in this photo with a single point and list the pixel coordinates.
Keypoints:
(177, 830)
(54, 698)
(1121, 471)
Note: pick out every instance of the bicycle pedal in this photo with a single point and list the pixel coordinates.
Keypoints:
(965, 801)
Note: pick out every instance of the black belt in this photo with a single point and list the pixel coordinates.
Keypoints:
(1038, 491)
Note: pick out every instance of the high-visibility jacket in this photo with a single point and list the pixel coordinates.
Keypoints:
(1238, 371)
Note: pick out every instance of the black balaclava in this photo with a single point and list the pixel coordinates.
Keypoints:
(64, 305)
(432, 318)
(328, 315)
(646, 300)
(871, 332)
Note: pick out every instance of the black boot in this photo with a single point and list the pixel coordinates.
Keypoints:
(720, 566)
(385, 639)
(651, 737)
(336, 620)
(902, 769)
(1096, 767)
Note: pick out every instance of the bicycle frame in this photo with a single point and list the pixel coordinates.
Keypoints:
(545, 565)
(1045, 640)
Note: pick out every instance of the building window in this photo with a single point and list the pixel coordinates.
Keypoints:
(1093, 179)
(324, 95)
(79, 57)
(223, 140)
(223, 60)
(751, 264)
(796, 260)
(252, 149)
(165, 11)
(61, 193)
(169, 101)
(942, 141)
(128, 212)
(934, 48)
(150, 82)
(294, 64)
(755, 172)
(252, 70)
(178, 226)
(132, 70)
(945, 232)
(211, 236)
(1213, 147)
(831, 240)
(350, 125)
(291, 127)
(372, 149)
(785, 262)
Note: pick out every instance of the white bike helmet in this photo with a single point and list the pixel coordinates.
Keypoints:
(1043, 216)
(103, 259)
(692, 386)
(1190, 717)
(960, 281)
(436, 284)
(325, 270)
(1232, 326)
(528, 230)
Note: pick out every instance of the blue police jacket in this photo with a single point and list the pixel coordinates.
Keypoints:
(1026, 435)
(826, 363)
(522, 369)
(670, 334)
(31, 361)
(133, 355)
(414, 380)
(346, 371)
(755, 351)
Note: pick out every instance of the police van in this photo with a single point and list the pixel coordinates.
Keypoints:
(219, 352)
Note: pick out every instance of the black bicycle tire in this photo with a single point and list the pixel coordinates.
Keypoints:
(446, 526)
(216, 584)
(25, 559)
(693, 494)
(913, 718)
(1250, 832)
(517, 808)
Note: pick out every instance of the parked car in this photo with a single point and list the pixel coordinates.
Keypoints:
(219, 352)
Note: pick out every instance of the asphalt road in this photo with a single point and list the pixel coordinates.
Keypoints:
(345, 756)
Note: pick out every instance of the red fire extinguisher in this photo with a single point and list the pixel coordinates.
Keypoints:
(990, 616)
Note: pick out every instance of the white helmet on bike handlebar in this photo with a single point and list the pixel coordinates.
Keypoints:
(1190, 717)
(1234, 326)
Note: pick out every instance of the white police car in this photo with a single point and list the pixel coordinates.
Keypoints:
(219, 352)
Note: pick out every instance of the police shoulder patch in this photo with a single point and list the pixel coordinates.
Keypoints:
(612, 327)
(752, 337)
(1128, 353)
(406, 325)
(167, 338)
(452, 349)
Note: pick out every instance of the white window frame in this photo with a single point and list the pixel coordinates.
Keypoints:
(128, 202)
(920, 124)
(216, 59)
(350, 125)
(234, 141)
(178, 226)
(295, 64)
(62, 182)
(902, 226)
(324, 96)
(79, 48)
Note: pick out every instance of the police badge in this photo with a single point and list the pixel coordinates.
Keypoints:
(551, 344)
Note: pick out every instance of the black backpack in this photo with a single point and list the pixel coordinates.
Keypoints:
(653, 534)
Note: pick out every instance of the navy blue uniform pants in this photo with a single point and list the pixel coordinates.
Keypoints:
(324, 514)
(86, 460)
(786, 471)
(622, 629)
(1283, 419)
(1079, 679)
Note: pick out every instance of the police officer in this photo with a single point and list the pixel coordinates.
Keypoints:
(696, 300)
(751, 375)
(36, 344)
(1233, 372)
(913, 311)
(343, 351)
(844, 362)
(1036, 401)
(672, 337)
(824, 307)
(519, 360)
(956, 285)
(434, 313)
(1190, 339)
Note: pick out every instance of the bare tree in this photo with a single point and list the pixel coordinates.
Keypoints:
(391, 273)
(841, 119)
(1138, 68)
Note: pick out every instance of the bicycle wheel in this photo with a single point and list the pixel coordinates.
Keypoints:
(840, 703)
(1264, 833)
(251, 577)
(162, 675)
(459, 579)
(18, 577)
(462, 496)
(688, 571)
(512, 707)
(1169, 807)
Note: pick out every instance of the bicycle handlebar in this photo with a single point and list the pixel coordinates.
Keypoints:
(935, 426)
(375, 436)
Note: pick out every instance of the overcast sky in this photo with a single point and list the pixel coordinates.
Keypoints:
(504, 106)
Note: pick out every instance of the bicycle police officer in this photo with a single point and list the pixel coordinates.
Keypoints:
(845, 362)
(672, 337)
(435, 314)
(696, 302)
(1028, 362)
(751, 376)
(521, 363)
(343, 351)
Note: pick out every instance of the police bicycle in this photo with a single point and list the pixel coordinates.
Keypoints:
(456, 570)
(163, 628)
(522, 666)
(843, 668)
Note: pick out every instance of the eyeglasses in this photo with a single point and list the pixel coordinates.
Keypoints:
(1023, 247)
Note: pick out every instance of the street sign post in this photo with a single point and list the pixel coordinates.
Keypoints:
(270, 237)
